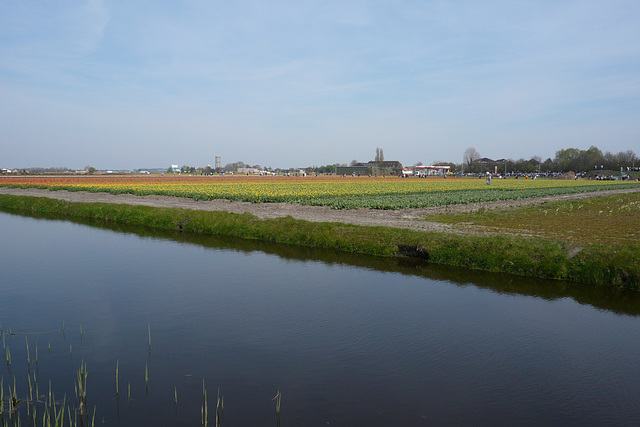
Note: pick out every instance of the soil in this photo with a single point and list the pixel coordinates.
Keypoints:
(413, 219)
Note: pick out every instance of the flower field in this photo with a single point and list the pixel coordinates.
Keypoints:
(334, 191)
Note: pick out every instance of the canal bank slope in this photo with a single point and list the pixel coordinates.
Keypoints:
(378, 232)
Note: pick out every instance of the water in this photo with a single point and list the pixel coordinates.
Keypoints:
(349, 341)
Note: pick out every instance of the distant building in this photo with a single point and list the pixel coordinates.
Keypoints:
(357, 169)
(247, 170)
(391, 167)
(422, 171)
(152, 170)
(218, 163)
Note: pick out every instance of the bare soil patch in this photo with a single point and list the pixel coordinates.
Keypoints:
(413, 219)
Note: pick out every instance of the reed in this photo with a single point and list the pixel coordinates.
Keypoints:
(219, 408)
(59, 415)
(117, 374)
(81, 388)
(13, 408)
(15, 398)
(28, 356)
(10, 402)
(30, 387)
(205, 409)
(146, 379)
(278, 398)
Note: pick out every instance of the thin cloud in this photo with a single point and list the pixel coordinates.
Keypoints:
(315, 82)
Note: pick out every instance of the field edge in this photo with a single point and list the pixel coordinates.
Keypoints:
(611, 265)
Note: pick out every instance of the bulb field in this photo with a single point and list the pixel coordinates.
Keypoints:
(333, 191)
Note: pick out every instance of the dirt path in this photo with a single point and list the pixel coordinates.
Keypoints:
(406, 218)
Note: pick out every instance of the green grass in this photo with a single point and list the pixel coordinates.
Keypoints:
(606, 220)
(616, 265)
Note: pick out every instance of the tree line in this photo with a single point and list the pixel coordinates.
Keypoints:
(565, 160)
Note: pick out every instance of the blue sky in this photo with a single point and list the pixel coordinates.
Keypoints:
(128, 84)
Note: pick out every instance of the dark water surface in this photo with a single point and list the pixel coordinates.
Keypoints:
(349, 341)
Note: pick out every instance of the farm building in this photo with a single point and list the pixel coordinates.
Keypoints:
(372, 168)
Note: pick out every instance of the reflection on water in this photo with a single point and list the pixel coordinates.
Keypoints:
(348, 340)
(622, 301)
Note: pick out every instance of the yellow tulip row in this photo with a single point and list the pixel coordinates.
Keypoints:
(329, 191)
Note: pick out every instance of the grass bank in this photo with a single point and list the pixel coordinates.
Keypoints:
(612, 264)
(609, 219)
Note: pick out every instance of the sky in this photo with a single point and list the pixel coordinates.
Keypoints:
(138, 84)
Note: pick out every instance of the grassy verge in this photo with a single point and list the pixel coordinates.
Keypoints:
(617, 265)
(606, 219)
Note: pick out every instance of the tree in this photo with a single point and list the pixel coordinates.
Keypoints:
(470, 155)
(536, 162)
(353, 162)
(590, 158)
(578, 160)
(608, 161)
(567, 159)
(626, 158)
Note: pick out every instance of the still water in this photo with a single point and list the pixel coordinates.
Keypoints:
(348, 341)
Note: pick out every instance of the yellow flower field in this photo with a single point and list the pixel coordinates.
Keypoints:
(334, 191)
